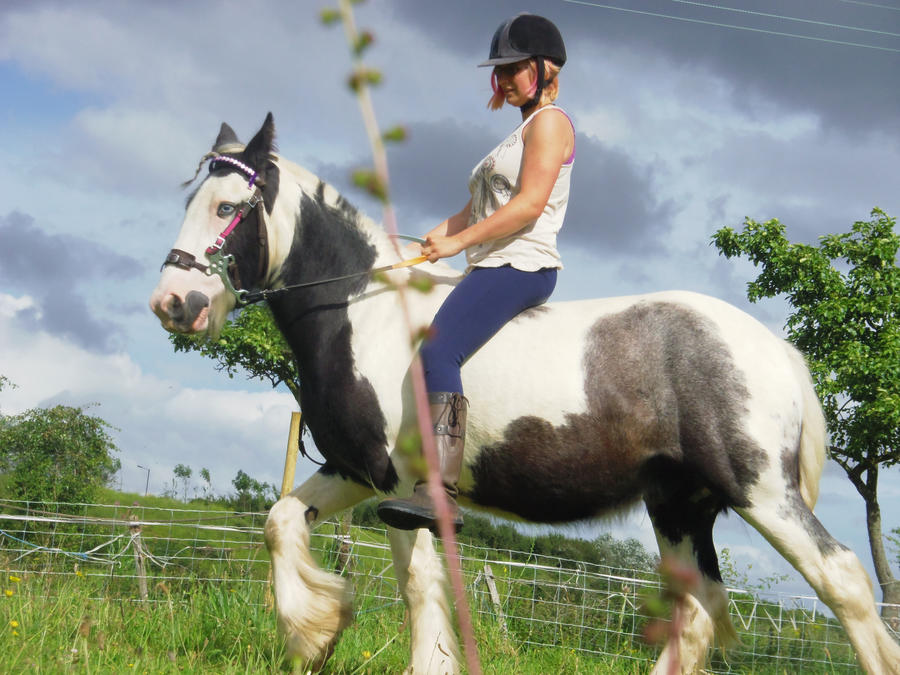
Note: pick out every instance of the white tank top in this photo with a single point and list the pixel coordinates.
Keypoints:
(494, 181)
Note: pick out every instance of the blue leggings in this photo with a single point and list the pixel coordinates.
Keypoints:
(480, 305)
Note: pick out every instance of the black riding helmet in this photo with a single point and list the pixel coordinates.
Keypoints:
(527, 36)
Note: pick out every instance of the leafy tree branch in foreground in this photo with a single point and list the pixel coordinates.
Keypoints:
(250, 342)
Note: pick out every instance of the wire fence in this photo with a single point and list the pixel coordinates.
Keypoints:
(143, 553)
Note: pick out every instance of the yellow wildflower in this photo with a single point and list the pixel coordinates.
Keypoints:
(14, 579)
(9, 592)
(15, 633)
(14, 623)
(367, 654)
(78, 573)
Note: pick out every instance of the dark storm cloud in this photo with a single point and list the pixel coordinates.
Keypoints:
(49, 267)
(849, 87)
(612, 205)
(430, 171)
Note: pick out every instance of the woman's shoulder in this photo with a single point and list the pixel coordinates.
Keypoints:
(552, 120)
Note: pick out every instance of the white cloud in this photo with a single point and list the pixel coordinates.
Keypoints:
(10, 305)
(159, 422)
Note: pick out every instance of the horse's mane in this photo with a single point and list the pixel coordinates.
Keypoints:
(439, 272)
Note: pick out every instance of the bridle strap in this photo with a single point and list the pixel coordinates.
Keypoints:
(242, 213)
(184, 260)
(220, 264)
(225, 268)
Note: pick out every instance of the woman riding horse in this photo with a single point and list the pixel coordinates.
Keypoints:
(508, 230)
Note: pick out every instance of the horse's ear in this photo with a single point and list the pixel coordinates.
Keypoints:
(227, 140)
(258, 150)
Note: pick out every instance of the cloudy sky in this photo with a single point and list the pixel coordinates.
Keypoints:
(690, 117)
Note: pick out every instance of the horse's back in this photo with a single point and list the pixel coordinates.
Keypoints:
(546, 352)
(598, 392)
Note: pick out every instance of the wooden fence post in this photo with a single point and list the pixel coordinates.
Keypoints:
(290, 459)
(138, 546)
(495, 597)
(343, 557)
(287, 484)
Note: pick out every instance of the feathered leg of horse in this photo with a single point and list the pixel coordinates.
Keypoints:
(834, 572)
(313, 606)
(420, 575)
(781, 510)
(704, 608)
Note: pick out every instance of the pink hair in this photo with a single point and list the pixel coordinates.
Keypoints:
(499, 98)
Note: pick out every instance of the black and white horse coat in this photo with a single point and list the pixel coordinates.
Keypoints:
(577, 410)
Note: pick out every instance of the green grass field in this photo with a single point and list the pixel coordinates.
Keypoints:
(72, 603)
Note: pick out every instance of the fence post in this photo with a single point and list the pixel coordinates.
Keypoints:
(290, 459)
(287, 484)
(343, 557)
(138, 556)
(495, 597)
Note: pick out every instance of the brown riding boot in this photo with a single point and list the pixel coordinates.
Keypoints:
(448, 416)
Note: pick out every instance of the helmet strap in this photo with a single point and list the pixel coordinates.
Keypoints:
(539, 90)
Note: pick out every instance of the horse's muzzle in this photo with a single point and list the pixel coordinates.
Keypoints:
(182, 315)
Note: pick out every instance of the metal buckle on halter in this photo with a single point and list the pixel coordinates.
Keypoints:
(218, 243)
(218, 264)
(172, 258)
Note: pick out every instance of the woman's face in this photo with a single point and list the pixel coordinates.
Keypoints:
(516, 80)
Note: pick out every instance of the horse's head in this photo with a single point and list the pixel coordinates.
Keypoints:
(223, 241)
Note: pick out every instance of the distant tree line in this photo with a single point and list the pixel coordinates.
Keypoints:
(250, 494)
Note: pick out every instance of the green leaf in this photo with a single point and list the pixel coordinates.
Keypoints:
(329, 16)
(395, 134)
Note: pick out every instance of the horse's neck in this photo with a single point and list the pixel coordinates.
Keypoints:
(333, 323)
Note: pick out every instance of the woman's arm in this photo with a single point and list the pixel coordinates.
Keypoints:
(549, 140)
(454, 224)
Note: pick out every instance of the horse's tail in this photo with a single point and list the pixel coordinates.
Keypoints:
(813, 432)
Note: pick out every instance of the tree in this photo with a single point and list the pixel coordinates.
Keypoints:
(253, 495)
(894, 538)
(251, 342)
(184, 473)
(59, 454)
(844, 295)
(207, 487)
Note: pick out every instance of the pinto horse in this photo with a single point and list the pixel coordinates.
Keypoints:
(578, 410)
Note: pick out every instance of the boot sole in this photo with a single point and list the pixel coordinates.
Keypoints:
(406, 517)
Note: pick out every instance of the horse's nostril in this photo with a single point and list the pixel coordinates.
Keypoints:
(196, 301)
(175, 308)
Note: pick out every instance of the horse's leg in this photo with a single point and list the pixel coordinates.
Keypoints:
(422, 582)
(313, 606)
(683, 524)
(831, 569)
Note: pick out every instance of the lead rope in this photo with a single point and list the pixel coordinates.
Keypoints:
(248, 298)
(300, 445)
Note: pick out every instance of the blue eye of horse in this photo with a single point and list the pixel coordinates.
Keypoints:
(225, 209)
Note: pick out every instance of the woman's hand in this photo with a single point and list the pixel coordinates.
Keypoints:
(438, 246)
(411, 250)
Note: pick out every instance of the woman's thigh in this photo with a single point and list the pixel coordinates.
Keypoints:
(480, 305)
